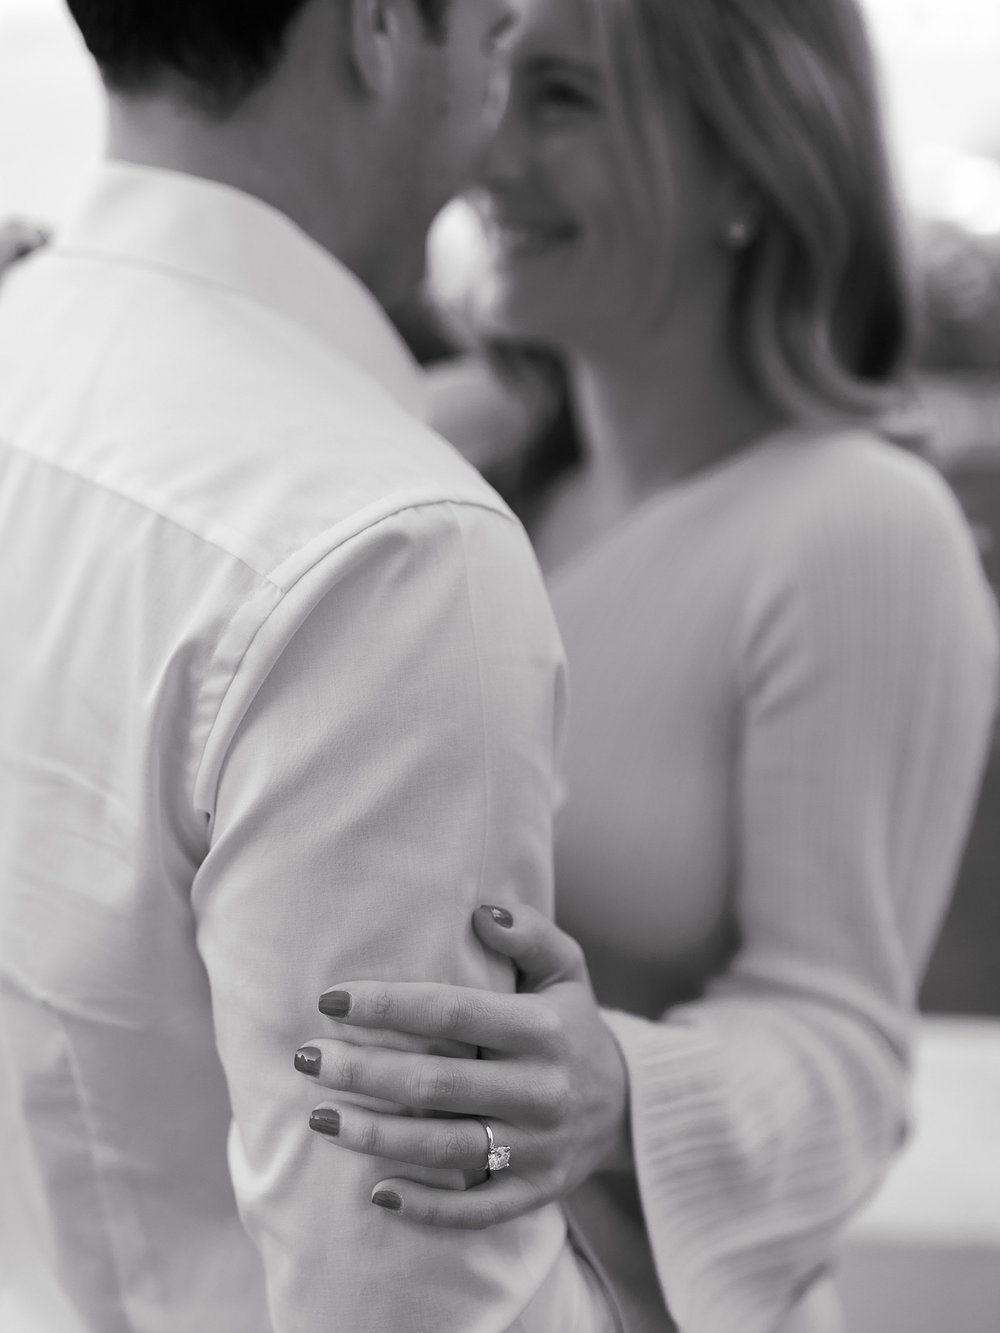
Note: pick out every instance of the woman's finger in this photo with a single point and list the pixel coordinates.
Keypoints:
(496, 1200)
(544, 954)
(458, 1013)
(421, 1082)
(459, 1143)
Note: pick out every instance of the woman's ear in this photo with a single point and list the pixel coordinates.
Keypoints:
(375, 33)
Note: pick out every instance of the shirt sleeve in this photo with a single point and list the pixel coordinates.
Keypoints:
(392, 770)
(764, 1114)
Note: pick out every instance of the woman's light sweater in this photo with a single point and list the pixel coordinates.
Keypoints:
(783, 676)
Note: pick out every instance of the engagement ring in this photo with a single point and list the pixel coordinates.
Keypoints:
(497, 1154)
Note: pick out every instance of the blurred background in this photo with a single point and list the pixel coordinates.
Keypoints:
(927, 1253)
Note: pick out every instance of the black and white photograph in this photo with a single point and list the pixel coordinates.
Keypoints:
(499, 666)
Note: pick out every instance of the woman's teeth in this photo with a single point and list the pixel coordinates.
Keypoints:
(521, 240)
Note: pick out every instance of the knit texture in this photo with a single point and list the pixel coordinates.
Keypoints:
(784, 675)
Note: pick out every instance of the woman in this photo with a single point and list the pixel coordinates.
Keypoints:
(783, 660)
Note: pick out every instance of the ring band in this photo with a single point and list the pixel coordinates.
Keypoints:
(497, 1154)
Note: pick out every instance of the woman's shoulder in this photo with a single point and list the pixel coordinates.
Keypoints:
(865, 557)
(852, 489)
(862, 532)
(850, 458)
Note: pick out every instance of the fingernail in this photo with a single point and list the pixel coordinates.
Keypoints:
(308, 1060)
(501, 916)
(335, 1003)
(325, 1121)
(388, 1199)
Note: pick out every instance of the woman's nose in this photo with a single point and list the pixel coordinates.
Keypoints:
(505, 157)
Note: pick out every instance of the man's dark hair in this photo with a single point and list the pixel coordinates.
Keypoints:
(220, 49)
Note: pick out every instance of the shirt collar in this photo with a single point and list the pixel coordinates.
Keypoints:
(217, 235)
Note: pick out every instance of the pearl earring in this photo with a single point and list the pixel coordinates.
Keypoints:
(738, 233)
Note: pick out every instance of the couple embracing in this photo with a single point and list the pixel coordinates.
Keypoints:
(286, 696)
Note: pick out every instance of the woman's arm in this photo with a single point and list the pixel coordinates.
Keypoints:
(765, 1114)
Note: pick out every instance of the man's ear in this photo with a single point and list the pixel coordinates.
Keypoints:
(375, 33)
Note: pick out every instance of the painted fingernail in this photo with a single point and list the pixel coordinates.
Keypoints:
(325, 1121)
(388, 1199)
(308, 1060)
(501, 916)
(335, 1003)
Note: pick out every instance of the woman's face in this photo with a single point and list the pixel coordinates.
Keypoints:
(580, 257)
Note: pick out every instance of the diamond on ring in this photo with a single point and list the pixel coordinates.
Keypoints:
(497, 1154)
(498, 1158)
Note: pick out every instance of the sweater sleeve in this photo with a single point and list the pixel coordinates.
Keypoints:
(765, 1113)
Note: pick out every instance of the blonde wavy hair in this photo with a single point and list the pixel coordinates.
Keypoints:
(785, 92)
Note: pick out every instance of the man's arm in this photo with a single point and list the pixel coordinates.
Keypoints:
(392, 770)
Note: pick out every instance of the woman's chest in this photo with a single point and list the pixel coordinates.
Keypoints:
(646, 842)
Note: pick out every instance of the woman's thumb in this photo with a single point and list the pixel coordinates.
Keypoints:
(544, 954)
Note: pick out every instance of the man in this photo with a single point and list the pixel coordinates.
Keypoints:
(281, 684)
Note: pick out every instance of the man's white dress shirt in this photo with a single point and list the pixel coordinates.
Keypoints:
(280, 697)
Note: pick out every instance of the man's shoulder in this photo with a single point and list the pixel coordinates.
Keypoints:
(226, 420)
(301, 445)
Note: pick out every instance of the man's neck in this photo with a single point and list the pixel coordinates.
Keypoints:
(248, 151)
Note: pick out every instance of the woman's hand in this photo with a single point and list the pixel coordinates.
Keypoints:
(551, 1082)
(18, 239)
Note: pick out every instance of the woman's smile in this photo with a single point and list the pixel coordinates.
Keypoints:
(514, 240)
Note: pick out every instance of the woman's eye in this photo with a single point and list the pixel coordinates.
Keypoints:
(559, 97)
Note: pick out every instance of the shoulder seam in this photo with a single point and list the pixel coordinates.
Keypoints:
(282, 592)
(323, 537)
